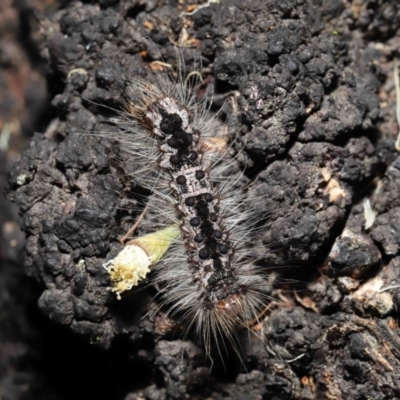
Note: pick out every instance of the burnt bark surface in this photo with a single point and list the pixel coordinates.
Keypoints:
(316, 98)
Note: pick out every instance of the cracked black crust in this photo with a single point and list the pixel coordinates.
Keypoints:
(308, 121)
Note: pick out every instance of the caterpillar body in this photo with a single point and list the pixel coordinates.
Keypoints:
(207, 279)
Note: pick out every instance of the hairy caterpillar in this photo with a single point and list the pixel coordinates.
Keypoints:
(207, 279)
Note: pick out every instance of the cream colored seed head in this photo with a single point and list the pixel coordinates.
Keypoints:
(133, 263)
(130, 266)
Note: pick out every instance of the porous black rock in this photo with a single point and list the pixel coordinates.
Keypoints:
(312, 145)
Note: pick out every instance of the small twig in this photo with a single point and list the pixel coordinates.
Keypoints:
(155, 64)
(199, 7)
(388, 288)
(296, 358)
(134, 226)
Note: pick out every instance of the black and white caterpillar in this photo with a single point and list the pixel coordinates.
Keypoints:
(207, 279)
